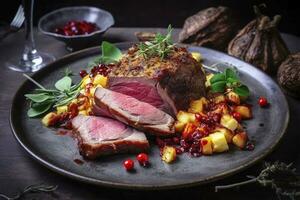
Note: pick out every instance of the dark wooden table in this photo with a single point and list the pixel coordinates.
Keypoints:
(18, 170)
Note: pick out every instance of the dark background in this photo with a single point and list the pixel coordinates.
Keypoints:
(160, 13)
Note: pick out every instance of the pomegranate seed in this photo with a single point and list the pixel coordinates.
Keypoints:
(176, 140)
(83, 73)
(179, 150)
(128, 164)
(204, 142)
(237, 116)
(196, 154)
(198, 117)
(263, 102)
(143, 159)
(250, 146)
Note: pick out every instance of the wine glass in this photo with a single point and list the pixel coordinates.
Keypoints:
(32, 60)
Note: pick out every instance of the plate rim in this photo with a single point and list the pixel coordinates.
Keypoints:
(119, 185)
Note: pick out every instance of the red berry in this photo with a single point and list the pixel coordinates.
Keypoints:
(263, 102)
(128, 164)
(237, 116)
(82, 73)
(143, 159)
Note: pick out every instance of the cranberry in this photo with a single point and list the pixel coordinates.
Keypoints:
(143, 159)
(128, 164)
(263, 102)
(83, 73)
(237, 116)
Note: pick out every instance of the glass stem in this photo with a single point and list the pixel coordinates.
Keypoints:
(29, 52)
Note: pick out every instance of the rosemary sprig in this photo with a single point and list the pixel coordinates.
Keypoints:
(31, 189)
(279, 176)
(160, 46)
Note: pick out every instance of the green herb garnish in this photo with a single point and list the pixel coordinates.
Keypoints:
(44, 99)
(228, 80)
(110, 54)
(279, 176)
(160, 46)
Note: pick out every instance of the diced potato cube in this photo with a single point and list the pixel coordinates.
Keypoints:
(233, 98)
(169, 154)
(227, 133)
(86, 80)
(208, 77)
(185, 117)
(197, 106)
(206, 145)
(229, 122)
(197, 56)
(244, 111)
(219, 99)
(100, 80)
(50, 119)
(219, 142)
(240, 139)
(188, 130)
(61, 109)
(179, 126)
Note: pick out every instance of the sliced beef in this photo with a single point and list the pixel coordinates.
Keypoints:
(133, 112)
(98, 136)
(140, 88)
(177, 79)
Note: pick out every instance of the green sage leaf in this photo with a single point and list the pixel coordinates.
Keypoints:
(217, 78)
(218, 86)
(230, 73)
(242, 90)
(64, 84)
(38, 110)
(110, 52)
(39, 97)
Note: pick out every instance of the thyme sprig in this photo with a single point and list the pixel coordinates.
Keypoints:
(160, 46)
(31, 189)
(279, 176)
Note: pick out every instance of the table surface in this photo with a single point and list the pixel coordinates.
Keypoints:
(18, 169)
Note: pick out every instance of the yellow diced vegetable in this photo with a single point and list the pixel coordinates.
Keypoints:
(227, 133)
(197, 106)
(229, 122)
(48, 119)
(219, 142)
(219, 99)
(83, 112)
(61, 109)
(197, 56)
(185, 117)
(179, 126)
(206, 145)
(240, 139)
(100, 80)
(169, 154)
(86, 80)
(233, 97)
(244, 111)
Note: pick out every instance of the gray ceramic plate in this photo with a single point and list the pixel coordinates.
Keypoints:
(58, 152)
